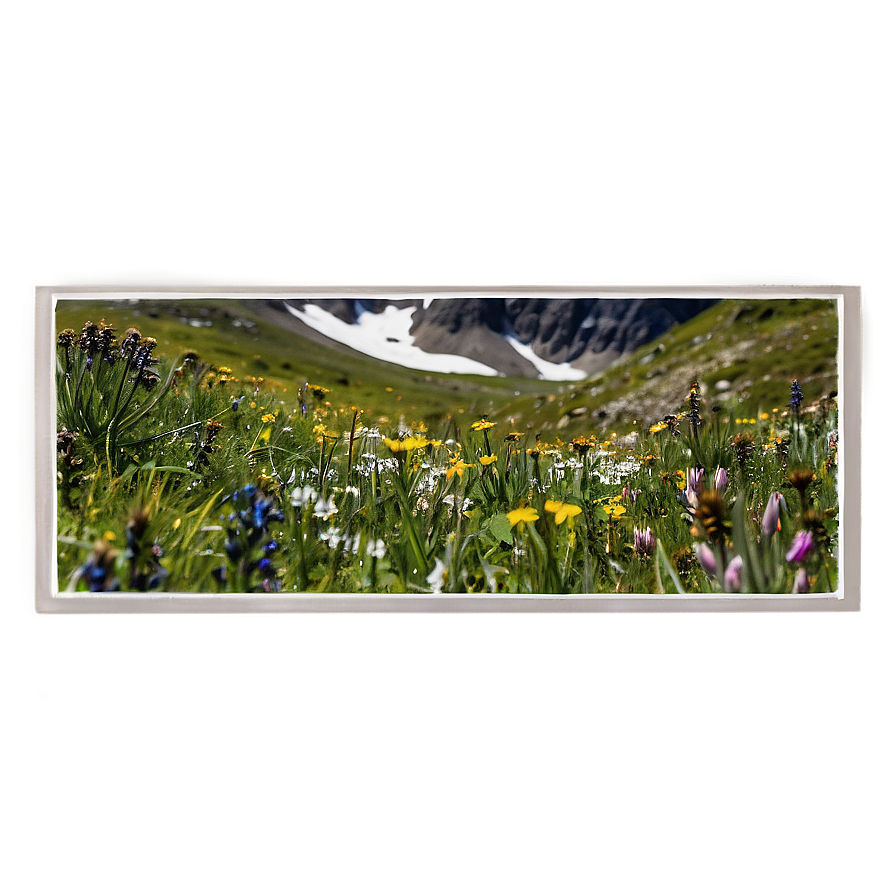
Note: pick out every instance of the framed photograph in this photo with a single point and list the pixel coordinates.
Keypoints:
(448, 449)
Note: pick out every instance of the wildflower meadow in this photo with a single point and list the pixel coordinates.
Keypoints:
(176, 474)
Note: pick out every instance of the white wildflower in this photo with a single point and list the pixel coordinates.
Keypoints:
(332, 537)
(302, 496)
(437, 578)
(325, 508)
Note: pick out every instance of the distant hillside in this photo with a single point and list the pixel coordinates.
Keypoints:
(743, 353)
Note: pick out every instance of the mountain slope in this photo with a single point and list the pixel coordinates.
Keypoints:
(743, 353)
(551, 338)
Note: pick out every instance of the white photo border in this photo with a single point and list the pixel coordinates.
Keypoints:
(846, 598)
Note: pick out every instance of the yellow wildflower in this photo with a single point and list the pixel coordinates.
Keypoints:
(481, 425)
(268, 418)
(457, 469)
(562, 511)
(488, 459)
(583, 444)
(522, 515)
(614, 511)
(513, 437)
(109, 535)
(402, 446)
(659, 427)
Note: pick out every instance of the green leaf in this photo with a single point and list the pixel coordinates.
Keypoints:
(500, 527)
(745, 545)
(663, 563)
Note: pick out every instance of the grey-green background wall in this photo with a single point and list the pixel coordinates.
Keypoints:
(277, 142)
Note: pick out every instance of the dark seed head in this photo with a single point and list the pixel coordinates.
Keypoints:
(64, 441)
(801, 479)
(89, 340)
(130, 341)
(710, 513)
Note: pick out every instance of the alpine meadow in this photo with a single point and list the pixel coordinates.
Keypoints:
(481, 446)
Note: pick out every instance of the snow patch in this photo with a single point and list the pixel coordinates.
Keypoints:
(547, 370)
(386, 336)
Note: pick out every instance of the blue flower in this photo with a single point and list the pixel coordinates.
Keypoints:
(98, 571)
(796, 396)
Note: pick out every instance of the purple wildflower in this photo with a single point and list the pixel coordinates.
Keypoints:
(733, 574)
(645, 541)
(694, 485)
(801, 582)
(707, 558)
(720, 480)
(796, 397)
(801, 547)
(771, 519)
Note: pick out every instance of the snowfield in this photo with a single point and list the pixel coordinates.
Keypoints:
(547, 370)
(387, 336)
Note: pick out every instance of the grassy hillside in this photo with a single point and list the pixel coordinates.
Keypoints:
(756, 347)
(743, 353)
